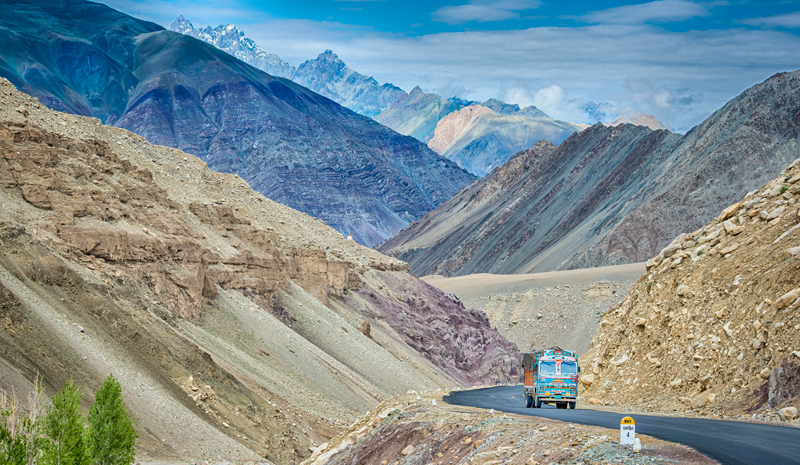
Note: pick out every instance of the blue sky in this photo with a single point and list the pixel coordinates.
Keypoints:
(676, 59)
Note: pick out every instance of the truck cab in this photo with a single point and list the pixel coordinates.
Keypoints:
(551, 377)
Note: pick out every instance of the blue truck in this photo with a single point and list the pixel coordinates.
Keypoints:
(551, 377)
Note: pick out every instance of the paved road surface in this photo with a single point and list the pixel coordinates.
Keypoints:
(729, 442)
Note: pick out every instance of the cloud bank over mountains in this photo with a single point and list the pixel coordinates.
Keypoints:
(626, 56)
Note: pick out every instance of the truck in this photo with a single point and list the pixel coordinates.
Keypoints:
(551, 377)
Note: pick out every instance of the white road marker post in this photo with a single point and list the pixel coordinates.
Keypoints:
(627, 431)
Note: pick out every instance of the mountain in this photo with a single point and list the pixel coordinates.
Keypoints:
(607, 195)
(329, 76)
(711, 328)
(293, 145)
(479, 139)
(231, 39)
(417, 113)
(326, 75)
(237, 326)
(640, 119)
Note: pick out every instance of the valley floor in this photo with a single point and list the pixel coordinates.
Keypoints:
(544, 309)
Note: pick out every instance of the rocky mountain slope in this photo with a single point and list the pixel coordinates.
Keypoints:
(607, 195)
(291, 144)
(479, 139)
(237, 326)
(713, 324)
(639, 119)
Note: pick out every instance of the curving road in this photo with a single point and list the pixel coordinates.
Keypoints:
(729, 442)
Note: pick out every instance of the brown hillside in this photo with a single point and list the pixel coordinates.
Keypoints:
(714, 322)
(237, 326)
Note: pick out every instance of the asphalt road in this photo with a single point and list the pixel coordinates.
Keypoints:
(729, 442)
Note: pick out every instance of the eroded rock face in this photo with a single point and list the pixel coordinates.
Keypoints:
(711, 326)
(458, 340)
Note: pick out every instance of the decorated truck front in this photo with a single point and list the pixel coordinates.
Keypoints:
(551, 377)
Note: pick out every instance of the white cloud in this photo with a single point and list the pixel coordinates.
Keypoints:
(483, 11)
(679, 77)
(660, 11)
(789, 20)
(163, 12)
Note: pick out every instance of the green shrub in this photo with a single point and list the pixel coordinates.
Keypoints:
(111, 439)
(784, 188)
(18, 436)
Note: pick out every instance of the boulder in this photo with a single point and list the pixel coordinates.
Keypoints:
(670, 250)
(587, 380)
(640, 322)
(776, 213)
(788, 413)
(728, 212)
(729, 248)
(365, 329)
(683, 290)
(787, 299)
(701, 399)
(653, 261)
(729, 226)
(735, 231)
(765, 373)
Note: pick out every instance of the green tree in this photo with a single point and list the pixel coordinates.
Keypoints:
(112, 439)
(63, 442)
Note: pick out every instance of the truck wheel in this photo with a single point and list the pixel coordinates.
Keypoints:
(572, 405)
(537, 402)
(528, 401)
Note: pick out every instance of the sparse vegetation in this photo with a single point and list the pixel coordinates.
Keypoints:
(784, 188)
(60, 437)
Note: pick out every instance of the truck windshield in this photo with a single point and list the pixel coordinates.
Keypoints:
(568, 368)
(547, 368)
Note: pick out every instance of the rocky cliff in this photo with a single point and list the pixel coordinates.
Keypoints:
(237, 326)
(713, 324)
(479, 139)
(607, 195)
(293, 145)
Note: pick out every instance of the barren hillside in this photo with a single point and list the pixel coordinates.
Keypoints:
(237, 326)
(607, 195)
(714, 323)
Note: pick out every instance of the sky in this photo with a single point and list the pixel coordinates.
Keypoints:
(678, 60)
